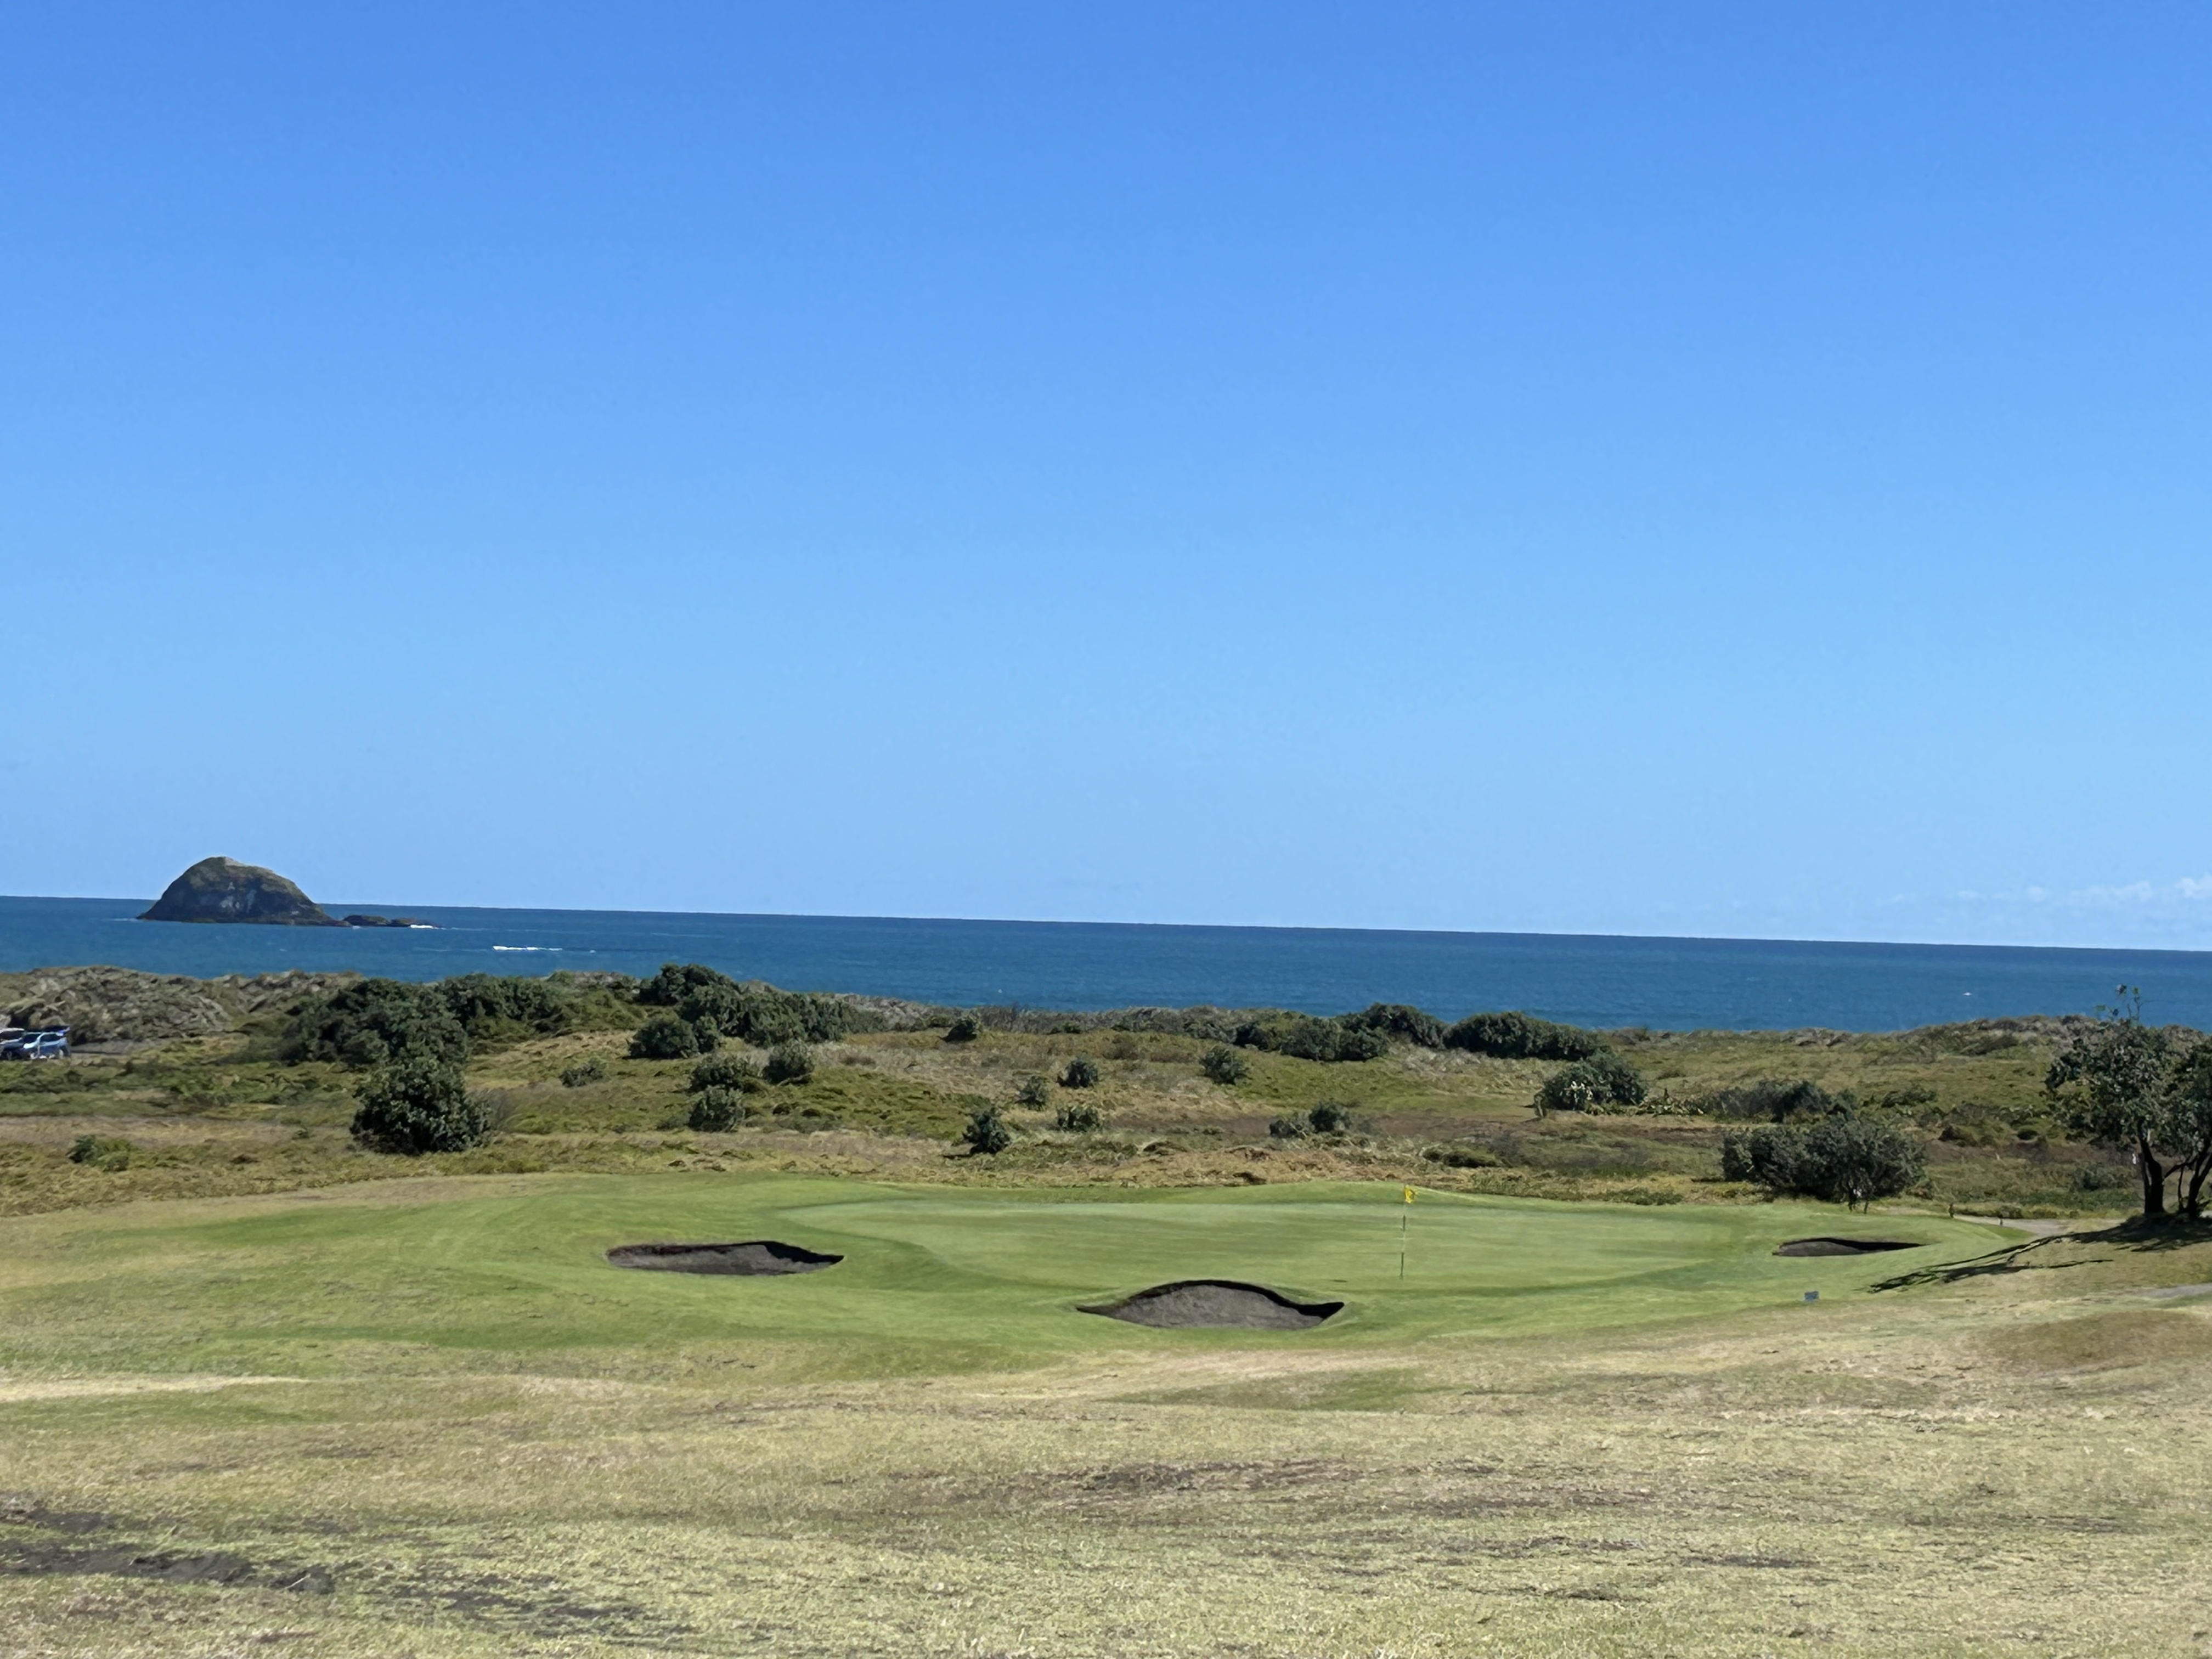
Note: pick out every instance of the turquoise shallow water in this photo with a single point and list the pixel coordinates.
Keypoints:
(1594, 979)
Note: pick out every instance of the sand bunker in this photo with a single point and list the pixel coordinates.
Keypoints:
(1845, 1246)
(755, 1257)
(1215, 1303)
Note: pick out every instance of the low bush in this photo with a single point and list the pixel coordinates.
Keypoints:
(1331, 1117)
(1514, 1035)
(1603, 1082)
(1399, 1020)
(2102, 1177)
(964, 1028)
(665, 1036)
(1225, 1065)
(986, 1133)
(725, 1072)
(789, 1062)
(1327, 1117)
(1776, 1101)
(1309, 1036)
(1034, 1093)
(753, 1011)
(1079, 1117)
(1082, 1073)
(371, 1022)
(583, 1072)
(716, 1107)
(417, 1105)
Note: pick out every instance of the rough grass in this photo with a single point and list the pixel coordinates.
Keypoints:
(211, 1118)
(1574, 1429)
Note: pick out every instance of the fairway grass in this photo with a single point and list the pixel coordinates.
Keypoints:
(1566, 1429)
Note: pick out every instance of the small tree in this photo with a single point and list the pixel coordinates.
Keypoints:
(1848, 1159)
(1079, 1117)
(986, 1133)
(2111, 1083)
(1082, 1073)
(1034, 1093)
(789, 1062)
(665, 1037)
(418, 1104)
(716, 1107)
(1844, 1158)
(965, 1028)
(1225, 1065)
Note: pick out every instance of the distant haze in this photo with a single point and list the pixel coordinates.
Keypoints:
(1721, 470)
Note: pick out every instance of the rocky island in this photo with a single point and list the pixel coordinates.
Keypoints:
(223, 889)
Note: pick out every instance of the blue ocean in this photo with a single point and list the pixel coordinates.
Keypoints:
(1591, 980)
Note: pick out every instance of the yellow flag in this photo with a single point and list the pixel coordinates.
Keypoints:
(1409, 1194)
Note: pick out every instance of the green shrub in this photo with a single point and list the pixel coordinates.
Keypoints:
(1079, 1117)
(665, 1036)
(1853, 1159)
(373, 1023)
(1514, 1035)
(725, 1072)
(1603, 1082)
(1776, 1101)
(964, 1028)
(1846, 1159)
(101, 1152)
(1327, 1117)
(2089, 1178)
(753, 1011)
(1330, 1117)
(1768, 1157)
(1082, 1073)
(676, 981)
(1399, 1020)
(416, 1105)
(1307, 1037)
(584, 1071)
(987, 1131)
(1225, 1065)
(715, 1108)
(492, 1008)
(789, 1062)
(1034, 1092)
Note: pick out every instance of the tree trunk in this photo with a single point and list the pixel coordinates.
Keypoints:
(2154, 1180)
(2192, 1198)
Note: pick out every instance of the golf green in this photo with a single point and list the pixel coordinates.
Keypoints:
(407, 1274)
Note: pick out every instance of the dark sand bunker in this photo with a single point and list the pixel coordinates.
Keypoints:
(1215, 1303)
(1845, 1246)
(754, 1257)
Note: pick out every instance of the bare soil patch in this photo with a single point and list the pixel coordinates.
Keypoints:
(752, 1257)
(1216, 1304)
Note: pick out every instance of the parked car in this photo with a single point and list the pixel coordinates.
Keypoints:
(50, 1044)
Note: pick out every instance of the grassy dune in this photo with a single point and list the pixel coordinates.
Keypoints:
(1570, 1429)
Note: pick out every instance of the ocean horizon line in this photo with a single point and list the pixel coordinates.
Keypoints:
(410, 907)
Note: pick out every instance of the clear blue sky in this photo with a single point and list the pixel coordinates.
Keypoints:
(1710, 469)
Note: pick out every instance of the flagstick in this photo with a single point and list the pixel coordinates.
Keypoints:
(1404, 1216)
